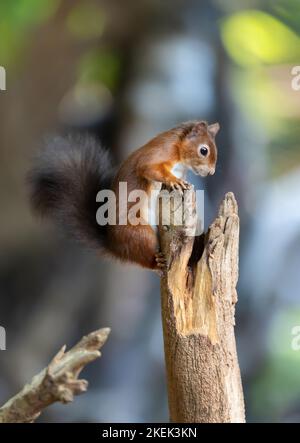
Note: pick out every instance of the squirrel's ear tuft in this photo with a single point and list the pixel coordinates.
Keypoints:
(198, 128)
(214, 129)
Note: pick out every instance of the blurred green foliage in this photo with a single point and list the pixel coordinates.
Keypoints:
(86, 20)
(285, 155)
(100, 66)
(264, 46)
(278, 387)
(254, 37)
(288, 11)
(16, 19)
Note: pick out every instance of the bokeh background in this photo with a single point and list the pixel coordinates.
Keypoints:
(125, 71)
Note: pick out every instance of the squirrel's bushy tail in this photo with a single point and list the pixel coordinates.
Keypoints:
(64, 181)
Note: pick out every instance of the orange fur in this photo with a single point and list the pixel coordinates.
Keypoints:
(154, 162)
(70, 171)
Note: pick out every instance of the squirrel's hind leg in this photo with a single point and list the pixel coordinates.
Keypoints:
(138, 244)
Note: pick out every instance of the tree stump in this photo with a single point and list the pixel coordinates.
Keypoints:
(198, 297)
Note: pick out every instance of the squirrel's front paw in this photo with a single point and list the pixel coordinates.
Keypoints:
(179, 185)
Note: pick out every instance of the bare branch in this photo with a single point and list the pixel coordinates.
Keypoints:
(58, 382)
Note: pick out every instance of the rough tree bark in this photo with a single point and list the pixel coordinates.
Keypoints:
(198, 296)
(57, 382)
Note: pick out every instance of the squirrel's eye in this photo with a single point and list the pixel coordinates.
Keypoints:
(203, 150)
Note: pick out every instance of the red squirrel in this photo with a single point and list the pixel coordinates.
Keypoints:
(71, 170)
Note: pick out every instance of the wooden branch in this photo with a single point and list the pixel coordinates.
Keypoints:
(198, 307)
(57, 382)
